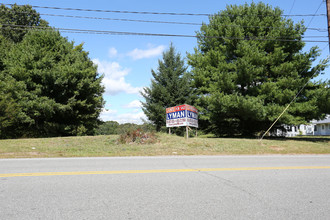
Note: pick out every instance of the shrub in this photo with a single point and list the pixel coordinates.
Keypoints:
(137, 136)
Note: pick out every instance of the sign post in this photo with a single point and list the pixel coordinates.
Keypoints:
(180, 116)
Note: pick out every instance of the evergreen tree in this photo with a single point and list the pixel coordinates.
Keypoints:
(13, 19)
(48, 86)
(52, 85)
(169, 87)
(249, 65)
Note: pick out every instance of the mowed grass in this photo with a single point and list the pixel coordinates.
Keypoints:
(107, 146)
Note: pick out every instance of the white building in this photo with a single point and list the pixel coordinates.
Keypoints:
(317, 128)
(322, 127)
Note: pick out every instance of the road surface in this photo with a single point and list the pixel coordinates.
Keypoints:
(191, 187)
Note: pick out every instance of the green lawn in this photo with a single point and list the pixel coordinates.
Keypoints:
(104, 146)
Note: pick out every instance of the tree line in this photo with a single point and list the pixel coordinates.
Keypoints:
(248, 65)
(241, 86)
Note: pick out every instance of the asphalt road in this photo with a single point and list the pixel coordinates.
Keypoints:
(203, 187)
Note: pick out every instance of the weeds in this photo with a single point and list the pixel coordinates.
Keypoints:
(137, 136)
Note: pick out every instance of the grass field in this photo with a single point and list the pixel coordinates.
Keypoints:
(105, 146)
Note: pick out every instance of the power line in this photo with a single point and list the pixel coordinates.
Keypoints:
(163, 22)
(305, 15)
(156, 13)
(294, 99)
(302, 88)
(170, 22)
(315, 13)
(294, 1)
(120, 19)
(23, 27)
(116, 11)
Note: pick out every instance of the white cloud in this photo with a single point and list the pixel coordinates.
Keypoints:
(133, 104)
(133, 117)
(136, 110)
(115, 86)
(109, 111)
(114, 78)
(137, 54)
(112, 52)
(111, 69)
(107, 114)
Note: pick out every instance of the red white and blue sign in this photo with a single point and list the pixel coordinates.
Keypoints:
(182, 115)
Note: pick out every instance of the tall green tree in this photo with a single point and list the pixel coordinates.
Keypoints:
(14, 18)
(248, 65)
(8, 88)
(170, 86)
(52, 85)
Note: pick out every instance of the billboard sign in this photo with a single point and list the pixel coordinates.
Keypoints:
(182, 115)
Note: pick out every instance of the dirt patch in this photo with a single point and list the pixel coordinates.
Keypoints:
(35, 153)
(22, 154)
(276, 148)
(7, 154)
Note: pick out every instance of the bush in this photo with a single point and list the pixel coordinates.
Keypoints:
(107, 128)
(137, 136)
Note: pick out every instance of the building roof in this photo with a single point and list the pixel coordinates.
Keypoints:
(324, 121)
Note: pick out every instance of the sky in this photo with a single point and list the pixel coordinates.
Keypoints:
(126, 61)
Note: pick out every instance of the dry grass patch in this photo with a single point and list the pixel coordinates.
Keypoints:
(102, 146)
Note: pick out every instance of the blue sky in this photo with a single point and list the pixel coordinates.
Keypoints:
(126, 61)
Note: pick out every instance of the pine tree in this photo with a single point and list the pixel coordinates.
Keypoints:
(169, 87)
(249, 65)
(48, 85)
(12, 19)
(54, 84)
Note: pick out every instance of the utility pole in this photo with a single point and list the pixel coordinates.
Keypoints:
(328, 11)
